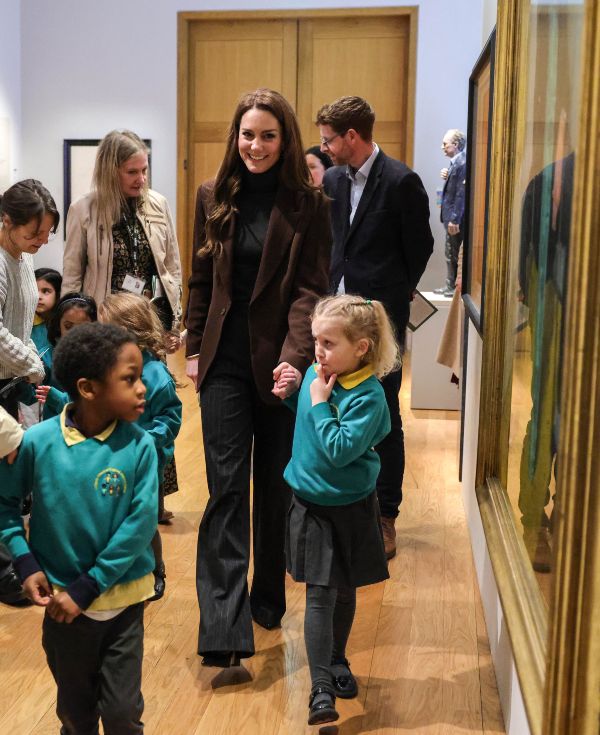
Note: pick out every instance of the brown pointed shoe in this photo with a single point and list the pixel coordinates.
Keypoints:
(389, 536)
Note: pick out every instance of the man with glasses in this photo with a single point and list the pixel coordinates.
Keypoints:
(381, 244)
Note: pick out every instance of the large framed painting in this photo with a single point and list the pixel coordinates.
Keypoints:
(479, 143)
(535, 281)
(79, 156)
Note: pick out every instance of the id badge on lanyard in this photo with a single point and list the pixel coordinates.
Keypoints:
(133, 284)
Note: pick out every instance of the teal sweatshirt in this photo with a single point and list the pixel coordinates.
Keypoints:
(333, 457)
(94, 507)
(162, 413)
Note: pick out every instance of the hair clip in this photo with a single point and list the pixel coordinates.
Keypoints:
(75, 299)
(368, 302)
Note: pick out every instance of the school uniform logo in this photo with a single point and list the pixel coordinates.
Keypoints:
(111, 482)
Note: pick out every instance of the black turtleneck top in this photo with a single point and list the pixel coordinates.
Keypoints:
(254, 202)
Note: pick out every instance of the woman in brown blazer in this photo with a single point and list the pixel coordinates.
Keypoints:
(261, 258)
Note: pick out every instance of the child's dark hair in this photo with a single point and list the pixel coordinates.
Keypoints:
(51, 276)
(70, 301)
(88, 351)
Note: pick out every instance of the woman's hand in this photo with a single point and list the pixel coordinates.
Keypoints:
(41, 393)
(287, 380)
(320, 388)
(191, 370)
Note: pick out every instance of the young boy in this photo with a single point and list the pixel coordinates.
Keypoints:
(93, 477)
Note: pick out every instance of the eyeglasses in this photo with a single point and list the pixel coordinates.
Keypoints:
(327, 141)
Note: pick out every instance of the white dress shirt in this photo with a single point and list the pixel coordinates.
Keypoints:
(358, 181)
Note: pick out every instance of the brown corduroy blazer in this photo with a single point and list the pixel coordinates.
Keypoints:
(293, 274)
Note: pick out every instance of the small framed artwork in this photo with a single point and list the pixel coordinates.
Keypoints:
(479, 146)
(79, 157)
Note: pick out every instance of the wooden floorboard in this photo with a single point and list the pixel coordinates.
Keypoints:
(419, 647)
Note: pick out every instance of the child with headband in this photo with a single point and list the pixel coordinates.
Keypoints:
(334, 541)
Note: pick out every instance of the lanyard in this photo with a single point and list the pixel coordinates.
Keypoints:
(132, 241)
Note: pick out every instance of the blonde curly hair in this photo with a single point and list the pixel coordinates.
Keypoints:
(138, 316)
(362, 318)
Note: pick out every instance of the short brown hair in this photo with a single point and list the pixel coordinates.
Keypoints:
(346, 113)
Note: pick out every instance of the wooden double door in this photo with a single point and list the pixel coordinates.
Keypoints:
(311, 57)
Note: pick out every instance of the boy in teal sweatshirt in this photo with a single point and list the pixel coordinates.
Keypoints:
(93, 477)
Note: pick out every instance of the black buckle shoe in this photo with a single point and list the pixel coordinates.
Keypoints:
(344, 683)
(321, 706)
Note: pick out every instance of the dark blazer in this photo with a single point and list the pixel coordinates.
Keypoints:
(293, 274)
(384, 253)
(453, 194)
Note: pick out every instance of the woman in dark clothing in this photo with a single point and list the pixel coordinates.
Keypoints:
(261, 258)
(317, 162)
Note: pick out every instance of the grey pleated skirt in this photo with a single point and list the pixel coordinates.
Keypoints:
(335, 546)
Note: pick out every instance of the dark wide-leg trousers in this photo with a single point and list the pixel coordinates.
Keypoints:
(241, 433)
(391, 451)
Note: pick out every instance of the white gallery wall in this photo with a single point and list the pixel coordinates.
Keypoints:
(89, 67)
(10, 93)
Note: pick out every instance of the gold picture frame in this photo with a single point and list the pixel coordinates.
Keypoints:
(557, 652)
(479, 144)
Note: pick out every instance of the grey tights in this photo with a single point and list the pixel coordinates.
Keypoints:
(327, 623)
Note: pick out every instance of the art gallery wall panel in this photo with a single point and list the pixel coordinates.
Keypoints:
(10, 93)
(85, 72)
(509, 691)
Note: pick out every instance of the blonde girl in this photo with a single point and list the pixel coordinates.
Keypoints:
(162, 412)
(334, 540)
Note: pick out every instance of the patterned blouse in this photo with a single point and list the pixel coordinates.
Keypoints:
(131, 254)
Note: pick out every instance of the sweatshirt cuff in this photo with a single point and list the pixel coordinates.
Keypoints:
(321, 411)
(83, 591)
(26, 565)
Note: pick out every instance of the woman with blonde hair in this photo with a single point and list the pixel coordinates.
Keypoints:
(120, 236)
(262, 244)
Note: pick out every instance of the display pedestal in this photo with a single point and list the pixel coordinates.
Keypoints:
(430, 382)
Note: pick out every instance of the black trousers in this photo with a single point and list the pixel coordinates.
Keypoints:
(97, 667)
(241, 432)
(391, 451)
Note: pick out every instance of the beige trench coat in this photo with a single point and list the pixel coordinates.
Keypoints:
(88, 256)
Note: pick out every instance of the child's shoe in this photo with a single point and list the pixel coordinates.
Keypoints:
(321, 706)
(344, 683)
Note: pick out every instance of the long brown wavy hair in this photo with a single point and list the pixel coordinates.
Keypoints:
(293, 173)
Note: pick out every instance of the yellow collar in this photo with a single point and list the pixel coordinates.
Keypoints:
(74, 436)
(37, 320)
(353, 379)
